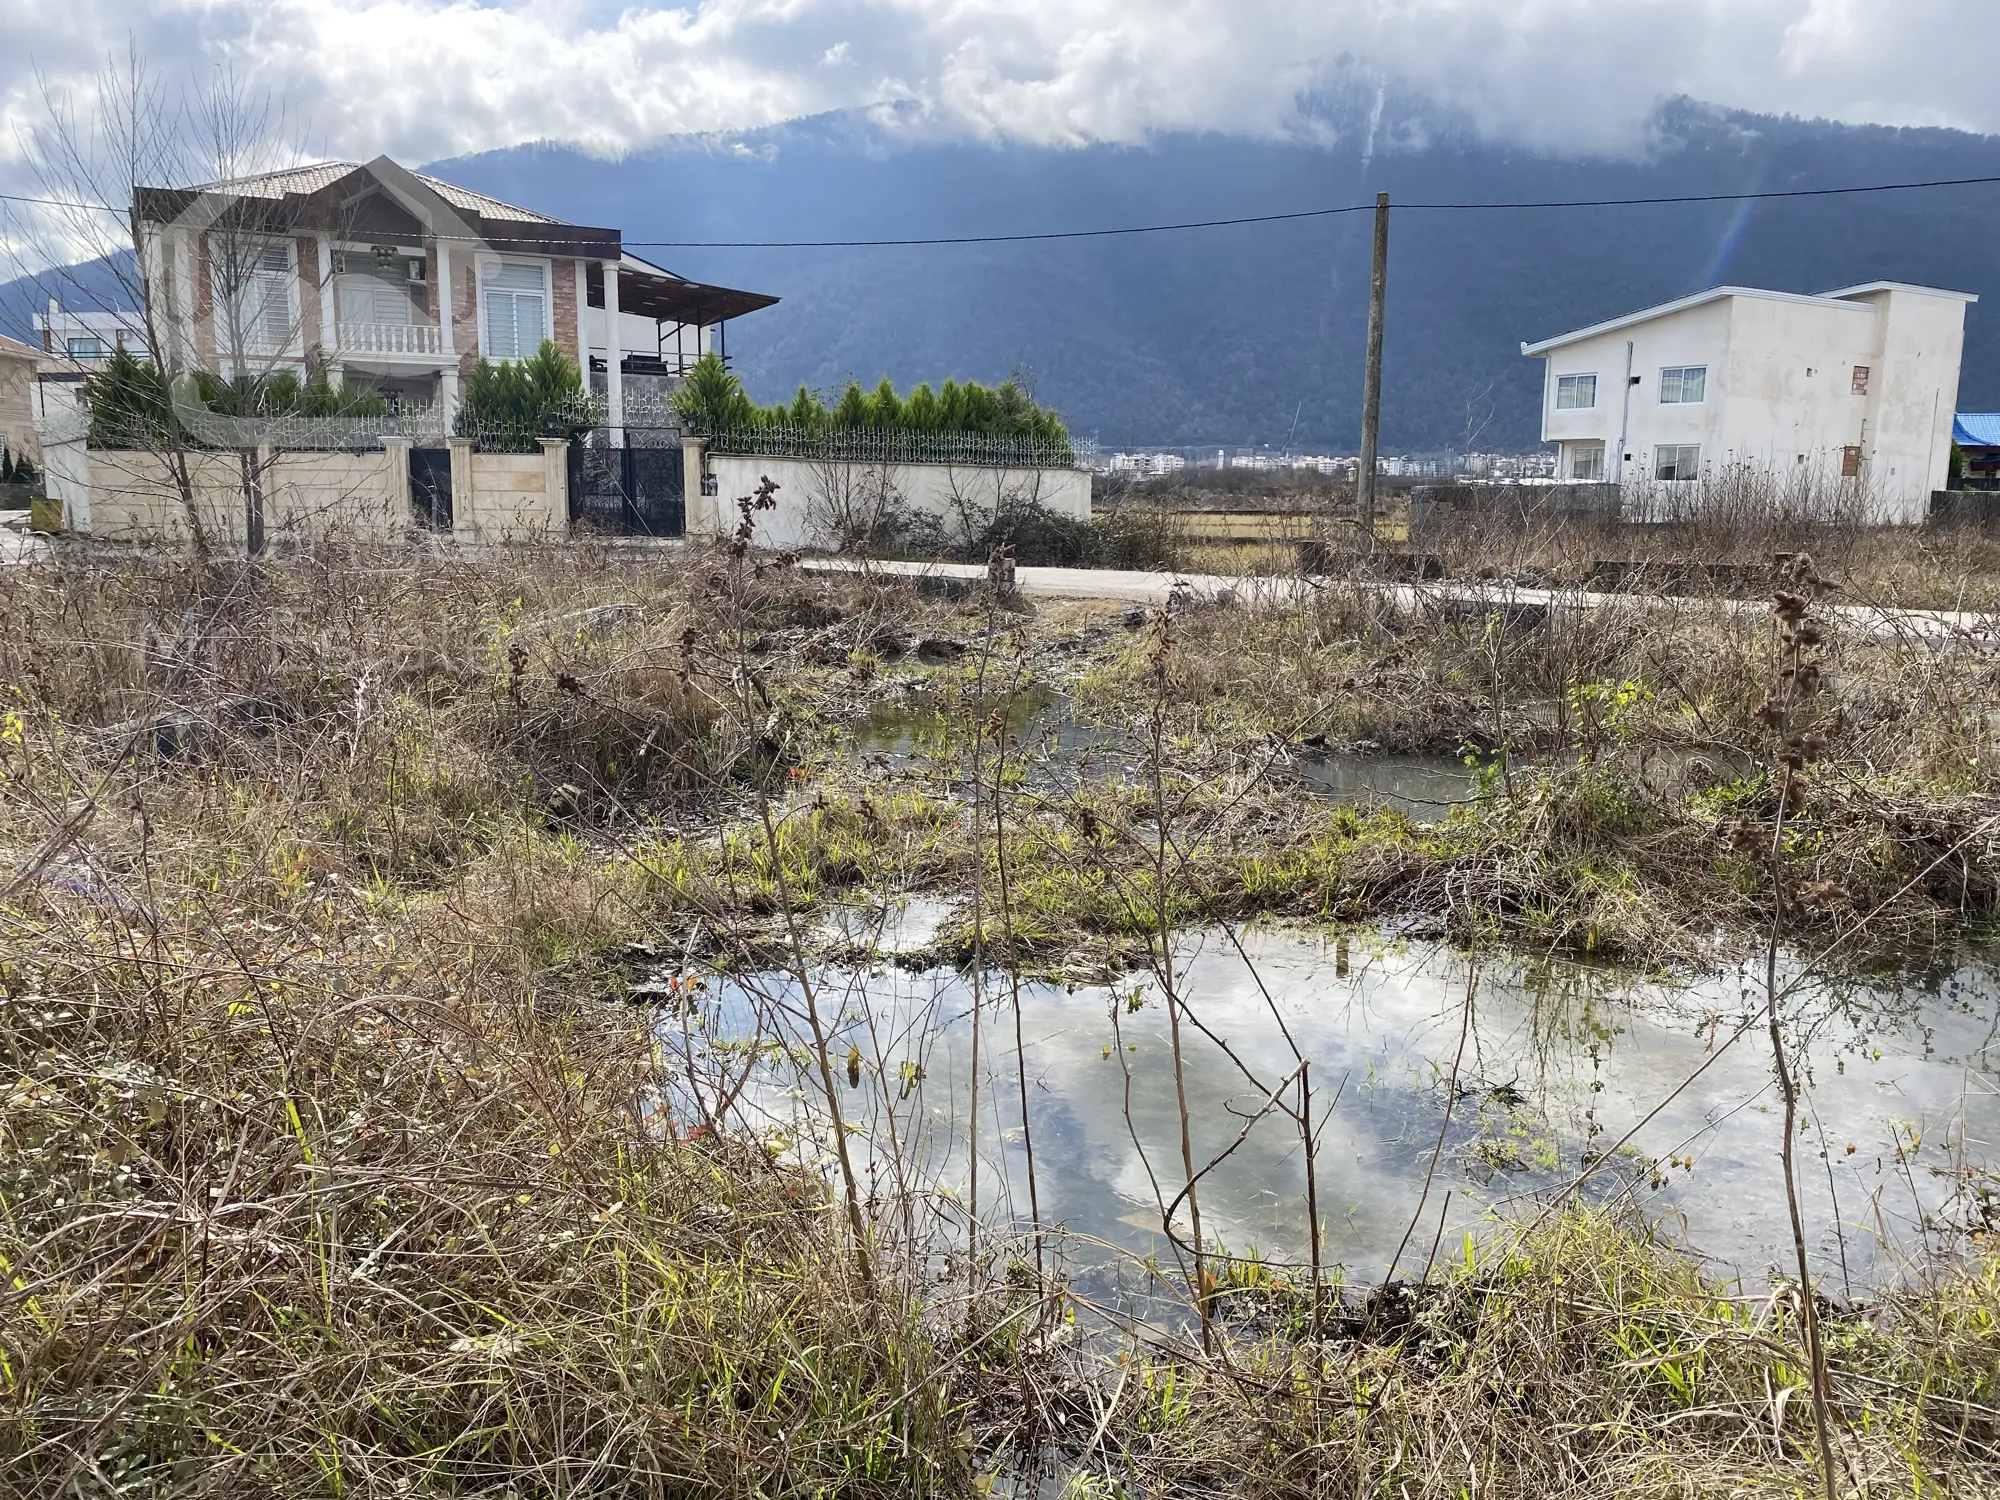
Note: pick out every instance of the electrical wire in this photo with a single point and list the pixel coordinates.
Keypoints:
(1290, 216)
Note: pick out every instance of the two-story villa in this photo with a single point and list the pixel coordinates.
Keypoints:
(1859, 384)
(376, 272)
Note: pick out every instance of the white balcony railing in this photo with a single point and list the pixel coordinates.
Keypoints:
(390, 338)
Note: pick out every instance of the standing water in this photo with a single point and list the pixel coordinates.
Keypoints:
(1559, 1063)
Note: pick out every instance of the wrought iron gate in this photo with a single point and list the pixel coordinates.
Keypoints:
(430, 487)
(627, 491)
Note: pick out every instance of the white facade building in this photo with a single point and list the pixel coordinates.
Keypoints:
(1858, 384)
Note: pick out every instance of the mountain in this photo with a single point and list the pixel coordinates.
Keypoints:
(1235, 335)
(1254, 334)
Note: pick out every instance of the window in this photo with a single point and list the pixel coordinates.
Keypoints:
(1576, 392)
(265, 315)
(1586, 462)
(1683, 385)
(1676, 461)
(516, 311)
(366, 293)
(1850, 462)
(87, 348)
(1860, 386)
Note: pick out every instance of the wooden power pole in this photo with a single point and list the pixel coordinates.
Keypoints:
(1371, 396)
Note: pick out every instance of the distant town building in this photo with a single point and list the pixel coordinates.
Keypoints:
(1146, 465)
(1857, 384)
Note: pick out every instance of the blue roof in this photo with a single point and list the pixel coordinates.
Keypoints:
(1976, 429)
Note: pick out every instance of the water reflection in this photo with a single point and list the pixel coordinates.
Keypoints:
(1559, 1063)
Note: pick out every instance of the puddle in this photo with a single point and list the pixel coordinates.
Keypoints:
(1559, 1062)
(912, 727)
(907, 925)
(1424, 787)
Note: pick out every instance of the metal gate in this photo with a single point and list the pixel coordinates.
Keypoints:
(430, 487)
(627, 491)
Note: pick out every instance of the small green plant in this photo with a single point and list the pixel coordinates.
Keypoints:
(509, 406)
(712, 400)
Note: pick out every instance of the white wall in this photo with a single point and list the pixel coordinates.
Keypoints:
(809, 493)
(1780, 398)
(641, 335)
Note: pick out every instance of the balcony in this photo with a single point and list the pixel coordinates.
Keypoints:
(406, 340)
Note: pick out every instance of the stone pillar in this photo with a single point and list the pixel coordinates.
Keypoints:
(614, 357)
(703, 514)
(555, 472)
(399, 514)
(329, 313)
(447, 346)
(464, 504)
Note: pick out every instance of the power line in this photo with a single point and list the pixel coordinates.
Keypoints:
(1290, 216)
(1308, 213)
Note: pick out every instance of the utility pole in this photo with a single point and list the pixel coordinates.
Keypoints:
(1371, 395)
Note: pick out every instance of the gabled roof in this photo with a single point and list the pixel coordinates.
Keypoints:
(1976, 429)
(1844, 298)
(324, 197)
(316, 177)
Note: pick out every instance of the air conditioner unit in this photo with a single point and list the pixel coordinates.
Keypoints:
(418, 272)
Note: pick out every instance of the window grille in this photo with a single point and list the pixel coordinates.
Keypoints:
(1860, 386)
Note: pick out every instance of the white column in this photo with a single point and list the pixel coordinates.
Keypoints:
(448, 376)
(329, 325)
(614, 356)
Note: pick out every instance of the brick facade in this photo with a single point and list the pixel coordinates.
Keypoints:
(204, 305)
(562, 279)
(464, 310)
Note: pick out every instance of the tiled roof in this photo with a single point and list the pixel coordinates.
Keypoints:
(479, 203)
(1977, 429)
(289, 181)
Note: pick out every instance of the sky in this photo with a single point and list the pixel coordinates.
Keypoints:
(423, 80)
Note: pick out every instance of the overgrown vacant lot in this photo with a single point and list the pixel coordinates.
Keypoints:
(332, 1155)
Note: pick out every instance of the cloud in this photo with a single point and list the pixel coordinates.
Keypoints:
(428, 78)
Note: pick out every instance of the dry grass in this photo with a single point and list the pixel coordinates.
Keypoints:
(332, 1161)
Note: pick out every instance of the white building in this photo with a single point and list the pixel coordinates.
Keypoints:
(1860, 383)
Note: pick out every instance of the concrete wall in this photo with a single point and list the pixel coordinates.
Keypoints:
(362, 497)
(306, 497)
(513, 497)
(17, 405)
(1780, 400)
(817, 500)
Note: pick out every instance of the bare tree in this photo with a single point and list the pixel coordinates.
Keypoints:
(134, 219)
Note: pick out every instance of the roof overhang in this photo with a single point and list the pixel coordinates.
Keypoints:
(654, 292)
(328, 209)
